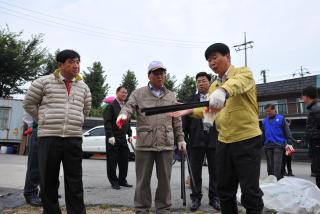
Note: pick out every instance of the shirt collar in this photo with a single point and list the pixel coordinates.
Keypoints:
(63, 78)
(120, 102)
(224, 77)
(154, 89)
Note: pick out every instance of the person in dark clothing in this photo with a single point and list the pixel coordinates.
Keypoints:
(287, 159)
(312, 133)
(32, 180)
(275, 133)
(201, 142)
(116, 141)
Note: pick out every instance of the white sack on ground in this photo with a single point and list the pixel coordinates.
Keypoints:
(289, 195)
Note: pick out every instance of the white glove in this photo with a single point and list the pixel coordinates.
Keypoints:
(112, 140)
(121, 119)
(217, 98)
(182, 146)
(208, 119)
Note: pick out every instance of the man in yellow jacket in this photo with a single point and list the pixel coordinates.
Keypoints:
(234, 101)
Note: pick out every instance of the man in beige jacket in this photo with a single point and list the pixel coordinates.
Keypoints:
(155, 138)
(59, 102)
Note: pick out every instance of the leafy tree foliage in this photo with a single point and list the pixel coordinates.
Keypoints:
(170, 82)
(129, 81)
(96, 82)
(213, 77)
(50, 63)
(187, 88)
(20, 61)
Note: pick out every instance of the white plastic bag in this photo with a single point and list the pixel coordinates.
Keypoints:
(290, 195)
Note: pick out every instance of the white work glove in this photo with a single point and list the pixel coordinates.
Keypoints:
(208, 119)
(121, 119)
(217, 99)
(112, 140)
(182, 146)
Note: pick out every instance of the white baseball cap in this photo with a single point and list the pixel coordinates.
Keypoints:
(154, 65)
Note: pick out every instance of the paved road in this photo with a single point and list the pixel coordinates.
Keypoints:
(97, 188)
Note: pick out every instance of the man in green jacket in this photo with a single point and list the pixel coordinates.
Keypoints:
(234, 101)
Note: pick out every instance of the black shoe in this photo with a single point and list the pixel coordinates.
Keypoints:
(125, 184)
(290, 174)
(116, 186)
(215, 204)
(285, 174)
(33, 200)
(313, 174)
(195, 204)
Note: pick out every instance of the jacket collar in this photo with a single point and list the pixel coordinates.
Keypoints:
(315, 101)
(57, 74)
(163, 90)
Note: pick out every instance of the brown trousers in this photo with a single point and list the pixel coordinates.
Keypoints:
(144, 166)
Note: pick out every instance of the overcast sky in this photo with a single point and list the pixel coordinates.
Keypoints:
(128, 34)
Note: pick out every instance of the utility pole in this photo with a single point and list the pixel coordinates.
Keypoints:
(301, 71)
(244, 46)
(263, 73)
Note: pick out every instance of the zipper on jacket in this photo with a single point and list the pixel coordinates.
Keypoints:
(67, 110)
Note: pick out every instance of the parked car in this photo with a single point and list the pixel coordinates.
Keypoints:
(94, 142)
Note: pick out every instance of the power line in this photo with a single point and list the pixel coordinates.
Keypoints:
(301, 72)
(125, 35)
(94, 33)
(244, 46)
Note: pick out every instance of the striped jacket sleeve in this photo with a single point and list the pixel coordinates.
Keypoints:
(33, 98)
(87, 102)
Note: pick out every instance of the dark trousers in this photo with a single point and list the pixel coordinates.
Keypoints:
(53, 151)
(274, 158)
(197, 155)
(32, 180)
(286, 161)
(239, 162)
(117, 155)
(315, 149)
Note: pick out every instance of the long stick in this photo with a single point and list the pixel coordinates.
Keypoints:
(190, 171)
(183, 186)
(172, 108)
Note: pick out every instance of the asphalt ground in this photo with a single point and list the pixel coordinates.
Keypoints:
(98, 191)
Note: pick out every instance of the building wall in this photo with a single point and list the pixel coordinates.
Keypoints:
(13, 132)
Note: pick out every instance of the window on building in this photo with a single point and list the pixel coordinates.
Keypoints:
(301, 107)
(280, 105)
(4, 118)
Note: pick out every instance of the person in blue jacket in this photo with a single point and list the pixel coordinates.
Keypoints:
(276, 133)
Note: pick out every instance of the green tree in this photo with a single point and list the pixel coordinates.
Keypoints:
(129, 81)
(187, 88)
(96, 82)
(170, 82)
(50, 63)
(213, 77)
(20, 61)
